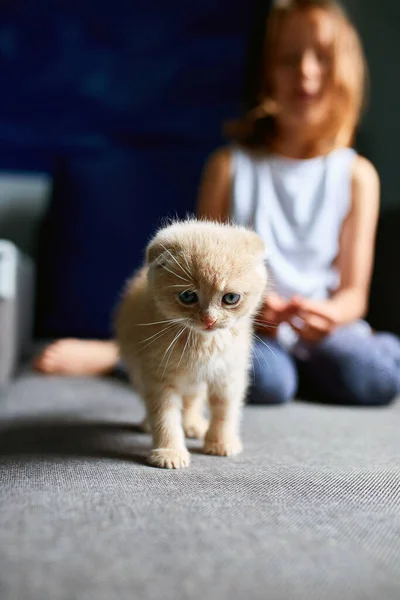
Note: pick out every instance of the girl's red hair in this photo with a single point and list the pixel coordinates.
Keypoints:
(349, 78)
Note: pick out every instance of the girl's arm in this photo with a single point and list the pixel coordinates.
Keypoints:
(355, 260)
(215, 187)
(357, 243)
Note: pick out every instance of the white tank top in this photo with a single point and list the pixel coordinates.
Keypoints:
(298, 208)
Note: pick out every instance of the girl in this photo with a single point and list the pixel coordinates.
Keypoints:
(292, 175)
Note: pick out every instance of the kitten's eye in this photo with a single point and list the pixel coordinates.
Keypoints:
(231, 298)
(188, 297)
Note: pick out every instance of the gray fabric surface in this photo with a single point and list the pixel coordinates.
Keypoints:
(310, 510)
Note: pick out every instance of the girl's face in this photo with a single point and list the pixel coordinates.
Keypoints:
(302, 69)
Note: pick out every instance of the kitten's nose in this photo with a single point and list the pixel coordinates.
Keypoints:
(208, 321)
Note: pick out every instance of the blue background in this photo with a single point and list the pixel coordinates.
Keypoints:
(77, 76)
(122, 102)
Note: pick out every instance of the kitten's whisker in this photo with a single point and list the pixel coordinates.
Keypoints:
(186, 261)
(176, 274)
(252, 365)
(264, 324)
(152, 341)
(253, 349)
(159, 333)
(264, 321)
(184, 347)
(264, 358)
(269, 348)
(190, 336)
(266, 345)
(160, 322)
(177, 262)
(177, 336)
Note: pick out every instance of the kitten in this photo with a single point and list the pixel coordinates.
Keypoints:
(184, 329)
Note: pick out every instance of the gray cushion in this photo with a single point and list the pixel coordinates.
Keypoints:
(23, 202)
(310, 510)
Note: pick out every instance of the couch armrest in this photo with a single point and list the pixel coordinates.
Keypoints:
(16, 307)
(23, 201)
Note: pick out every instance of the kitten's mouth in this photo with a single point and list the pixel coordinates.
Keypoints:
(205, 329)
(211, 328)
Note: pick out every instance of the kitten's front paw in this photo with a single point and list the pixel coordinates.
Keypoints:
(195, 428)
(228, 447)
(169, 458)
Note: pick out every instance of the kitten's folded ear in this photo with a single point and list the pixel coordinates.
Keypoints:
(154, 253)
(256, 245)
(158, 252)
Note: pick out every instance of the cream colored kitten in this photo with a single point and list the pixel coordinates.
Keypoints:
(184, 329)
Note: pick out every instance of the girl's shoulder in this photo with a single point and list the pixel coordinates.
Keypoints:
(365, 188)
(364, 172)
(222, 157)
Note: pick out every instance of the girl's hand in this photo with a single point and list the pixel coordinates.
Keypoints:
(274, 311)
(313, 320)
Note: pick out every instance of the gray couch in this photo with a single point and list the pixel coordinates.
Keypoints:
(310, 510)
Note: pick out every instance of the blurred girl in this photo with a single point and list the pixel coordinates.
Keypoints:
(292, 175)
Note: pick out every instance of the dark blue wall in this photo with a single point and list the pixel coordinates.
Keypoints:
(79, 75)
(121, 101)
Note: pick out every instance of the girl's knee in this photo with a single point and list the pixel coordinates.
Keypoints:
(356, 378)
(273, 388)
(373, 391)
(274, 377)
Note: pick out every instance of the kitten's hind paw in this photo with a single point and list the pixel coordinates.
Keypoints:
(169, 458)
(223, 448)
(195, 428)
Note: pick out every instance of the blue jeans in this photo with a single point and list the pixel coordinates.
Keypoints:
(347, 367)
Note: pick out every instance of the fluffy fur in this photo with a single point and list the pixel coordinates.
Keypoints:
(179, 355)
